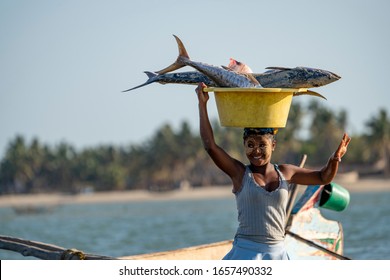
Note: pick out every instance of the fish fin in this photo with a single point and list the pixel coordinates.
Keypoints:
(178, 63)
(150, 80)
(252, 79)
(310, 92)
(150, 74)
(226, 68)
(278, 68)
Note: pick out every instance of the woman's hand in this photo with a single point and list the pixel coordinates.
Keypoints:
(342, 149)
(203, 97)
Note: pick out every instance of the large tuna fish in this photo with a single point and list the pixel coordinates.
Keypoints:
(220, 76)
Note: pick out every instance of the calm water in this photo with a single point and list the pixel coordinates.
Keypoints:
(141, 227)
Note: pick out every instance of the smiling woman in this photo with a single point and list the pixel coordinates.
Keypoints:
(261, 188)
(259, 143)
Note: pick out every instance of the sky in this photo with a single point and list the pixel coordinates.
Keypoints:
(64, 64)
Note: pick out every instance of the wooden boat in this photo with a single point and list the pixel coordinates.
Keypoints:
(308, 236)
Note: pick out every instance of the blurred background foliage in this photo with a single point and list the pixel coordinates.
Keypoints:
(171, 159)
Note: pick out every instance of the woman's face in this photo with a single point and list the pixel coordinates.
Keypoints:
(259, 148)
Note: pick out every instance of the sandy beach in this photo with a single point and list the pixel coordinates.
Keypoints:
(361, 185)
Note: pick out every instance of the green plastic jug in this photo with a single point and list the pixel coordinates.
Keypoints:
(334, 197)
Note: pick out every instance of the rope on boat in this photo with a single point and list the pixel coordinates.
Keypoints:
(71, 253)
(45, 251)
(311, 243)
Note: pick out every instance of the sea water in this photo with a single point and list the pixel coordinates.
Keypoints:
(128, 228)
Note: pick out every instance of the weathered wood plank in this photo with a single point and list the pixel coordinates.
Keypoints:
(45, 251)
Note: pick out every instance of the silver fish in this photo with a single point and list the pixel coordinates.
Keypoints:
(220, 76)
(298, 77)
(188, 78)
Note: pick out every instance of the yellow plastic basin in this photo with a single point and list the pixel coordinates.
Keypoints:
(253, 107)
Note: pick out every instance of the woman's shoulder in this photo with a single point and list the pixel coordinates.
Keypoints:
(288, 170)
(283, 166)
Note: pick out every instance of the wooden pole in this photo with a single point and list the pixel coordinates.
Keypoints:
(293, 194)
(45, 251)
(311, 243)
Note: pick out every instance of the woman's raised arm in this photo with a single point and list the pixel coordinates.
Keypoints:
(232, 167)
(324, 176)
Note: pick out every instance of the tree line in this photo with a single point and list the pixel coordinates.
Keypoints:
(172, 158)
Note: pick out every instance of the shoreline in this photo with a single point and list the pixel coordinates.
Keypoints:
(113, 197)
(360, 185)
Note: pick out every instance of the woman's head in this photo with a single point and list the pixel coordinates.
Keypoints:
(259, 144)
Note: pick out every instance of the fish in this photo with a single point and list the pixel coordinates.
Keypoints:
(220, 76)
(237, 66)
(187, 78)
(191, 78)
(298, 77)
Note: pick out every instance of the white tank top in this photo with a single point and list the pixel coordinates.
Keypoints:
(261, 214)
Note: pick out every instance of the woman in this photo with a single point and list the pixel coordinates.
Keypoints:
(261, 188)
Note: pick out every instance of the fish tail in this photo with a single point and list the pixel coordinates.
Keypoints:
(150, 74)
(183, 55)
(151, 79)
(144, 84)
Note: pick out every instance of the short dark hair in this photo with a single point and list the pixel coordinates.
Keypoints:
(248, 131)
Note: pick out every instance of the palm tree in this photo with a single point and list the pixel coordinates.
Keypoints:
(379, 138)
(326, 130)
(59, 166)
(16, 171)
(289, 147)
